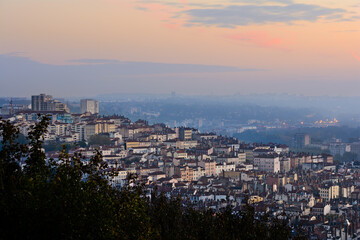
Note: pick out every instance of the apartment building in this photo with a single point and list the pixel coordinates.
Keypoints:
(89, 105)
(267, 162)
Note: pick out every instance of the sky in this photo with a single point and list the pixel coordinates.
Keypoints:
(194, 47)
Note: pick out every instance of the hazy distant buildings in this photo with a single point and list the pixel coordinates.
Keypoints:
(338, 148)
(355, 148)
(11, 108)
(89, 105)
(301, 140)
(45, 102)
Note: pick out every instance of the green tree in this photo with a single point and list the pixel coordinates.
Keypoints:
(99, 139)
(55, 146)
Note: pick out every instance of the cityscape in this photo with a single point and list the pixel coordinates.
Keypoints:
(212, 171)
(180, 119)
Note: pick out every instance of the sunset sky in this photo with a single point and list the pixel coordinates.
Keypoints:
(89, 47)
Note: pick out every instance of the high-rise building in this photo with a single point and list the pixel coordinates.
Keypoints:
(45, 102)
(89, 105)
(185, 134)
(41, 102)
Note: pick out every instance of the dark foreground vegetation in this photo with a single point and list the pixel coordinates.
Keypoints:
(67, 199)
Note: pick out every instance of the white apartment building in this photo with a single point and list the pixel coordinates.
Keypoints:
(60, 129)
(79, 128)
(329, 192)
(219, 168)
(89, 105)
(198, 172)
(267, 163)
(209, 167)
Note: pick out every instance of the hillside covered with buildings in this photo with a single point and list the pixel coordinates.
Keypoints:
(207, 170)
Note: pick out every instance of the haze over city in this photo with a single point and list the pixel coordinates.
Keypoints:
(90, 47)
(180, 119)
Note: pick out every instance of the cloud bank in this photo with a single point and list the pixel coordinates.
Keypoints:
(242, 15)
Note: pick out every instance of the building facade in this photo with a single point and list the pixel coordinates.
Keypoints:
(45, 102)
(89, 105)
(268, 163)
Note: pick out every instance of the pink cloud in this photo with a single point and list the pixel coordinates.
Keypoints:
(261, 39)
(356, 56)
(171, 25)
(185, 4)
(165, 13)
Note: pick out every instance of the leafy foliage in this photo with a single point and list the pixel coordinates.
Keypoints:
(99, 139)
(55, 146)
(69, 198)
